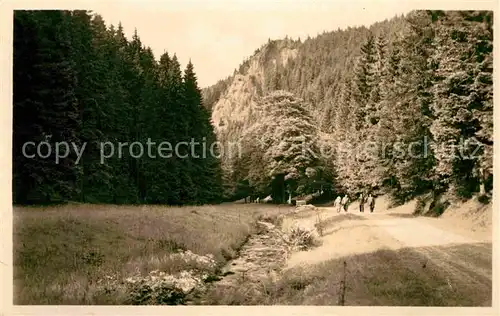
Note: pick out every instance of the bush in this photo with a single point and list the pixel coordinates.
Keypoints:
(433, 203)
(438, 206)
(303, 239)
(484, 199)
(423, 204)
(164, 294)
(420, 206)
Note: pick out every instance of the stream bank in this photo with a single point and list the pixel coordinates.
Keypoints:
(258, 267)
(243, 280)
(260, 260)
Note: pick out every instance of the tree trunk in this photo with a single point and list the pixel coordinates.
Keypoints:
(283, 193)
(482, 190)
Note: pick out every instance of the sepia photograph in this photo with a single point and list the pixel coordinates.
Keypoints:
(301, 153)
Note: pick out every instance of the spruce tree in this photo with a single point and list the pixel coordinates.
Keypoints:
(45, 105)
(462, 83)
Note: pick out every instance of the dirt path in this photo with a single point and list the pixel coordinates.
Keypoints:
(409, 253)
(350, 233)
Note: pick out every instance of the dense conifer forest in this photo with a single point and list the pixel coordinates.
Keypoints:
(405, 107)
(77, 81)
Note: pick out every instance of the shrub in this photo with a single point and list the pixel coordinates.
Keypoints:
(143, 293)
(438, 206)
(303, 239)
(423, 203)
(485, 199)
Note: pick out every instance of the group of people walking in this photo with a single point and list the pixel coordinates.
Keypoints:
(343, 202)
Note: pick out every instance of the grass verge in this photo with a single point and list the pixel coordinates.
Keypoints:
(62, 253)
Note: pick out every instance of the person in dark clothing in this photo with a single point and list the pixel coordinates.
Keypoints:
(361, 203)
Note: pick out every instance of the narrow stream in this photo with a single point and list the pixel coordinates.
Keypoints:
(261, 258)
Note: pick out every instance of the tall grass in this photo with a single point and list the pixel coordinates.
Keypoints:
(62, 252)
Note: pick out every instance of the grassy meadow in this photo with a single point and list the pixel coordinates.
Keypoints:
(62, 252)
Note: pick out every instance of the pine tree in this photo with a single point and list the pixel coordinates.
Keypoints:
(405, 113)
(47, 110)
(204, 164)
(463, 44)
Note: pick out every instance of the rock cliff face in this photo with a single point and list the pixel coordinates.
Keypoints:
(237, 104)
(236, 109)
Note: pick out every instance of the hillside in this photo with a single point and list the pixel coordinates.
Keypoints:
(390, 86)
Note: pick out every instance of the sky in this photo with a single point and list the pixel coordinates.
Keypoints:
(218, 35)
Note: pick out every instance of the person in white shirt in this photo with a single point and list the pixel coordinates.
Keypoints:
(371, 202)
(345, 202)
(338, 203)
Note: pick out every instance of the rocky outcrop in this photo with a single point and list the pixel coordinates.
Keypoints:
(159, 287)
(237, 108)
(237, 105)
